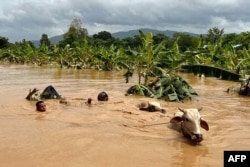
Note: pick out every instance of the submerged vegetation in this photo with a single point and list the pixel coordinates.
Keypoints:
(168, 87)
(154, 58)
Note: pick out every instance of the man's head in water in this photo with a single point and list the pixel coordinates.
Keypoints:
(40, 106)
(102, 96)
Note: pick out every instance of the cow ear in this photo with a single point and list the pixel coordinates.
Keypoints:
(181, 109)
(204, 125)
(199, 109)
(176, 119)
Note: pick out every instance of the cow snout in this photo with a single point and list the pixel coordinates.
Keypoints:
(197, 138)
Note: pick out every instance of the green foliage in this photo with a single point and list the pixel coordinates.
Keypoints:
(158, 38)
(214, 35)
(185, 41)
(104, 35)
(75, 34)
(167, 87)
(147, 55)
(172, 58)
(243, 39)
(132, 42)
(108, 59)
(44, 40)
(4, 42)
(103, 38)
(227, 56)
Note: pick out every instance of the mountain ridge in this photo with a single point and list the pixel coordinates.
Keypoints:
(122, 34)
(131, 33)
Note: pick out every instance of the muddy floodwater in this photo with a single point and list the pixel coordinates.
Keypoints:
(113, 133)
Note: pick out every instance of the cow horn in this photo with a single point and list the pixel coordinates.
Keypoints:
(181, 109)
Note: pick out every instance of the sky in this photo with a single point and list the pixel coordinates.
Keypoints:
(29, 19)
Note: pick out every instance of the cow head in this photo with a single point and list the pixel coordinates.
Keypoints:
(191, 122)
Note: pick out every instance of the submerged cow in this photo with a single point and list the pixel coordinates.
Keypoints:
(190, 122)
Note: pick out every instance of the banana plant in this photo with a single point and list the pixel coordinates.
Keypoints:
(12, 55)
(8, 56)
(146, 58)
(108, 58)
(172, 59)
(243, 65)
(167, 85)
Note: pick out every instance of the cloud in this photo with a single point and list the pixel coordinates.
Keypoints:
(29, 19)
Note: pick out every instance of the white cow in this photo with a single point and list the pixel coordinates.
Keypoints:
(190, 122)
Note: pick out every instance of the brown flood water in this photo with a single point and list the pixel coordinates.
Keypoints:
(116, 133)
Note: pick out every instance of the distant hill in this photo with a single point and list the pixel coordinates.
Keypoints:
(56, 39)
(131, 33)
(121, 35)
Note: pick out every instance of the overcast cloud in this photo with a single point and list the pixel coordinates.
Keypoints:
(29, 19)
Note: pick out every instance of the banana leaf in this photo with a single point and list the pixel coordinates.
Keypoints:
(139, 90)
(147, 91)
(159, 93)
(167, 90)
(173, 97)
(165, 81)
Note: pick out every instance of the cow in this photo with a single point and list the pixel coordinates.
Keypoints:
(189, 121)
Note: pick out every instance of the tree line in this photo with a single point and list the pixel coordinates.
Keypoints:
(103, 51)
(145, 54)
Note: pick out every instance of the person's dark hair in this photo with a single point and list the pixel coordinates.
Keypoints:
(38, 103)
(102, 96)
